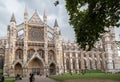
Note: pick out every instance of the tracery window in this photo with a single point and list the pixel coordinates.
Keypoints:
(90, 64)
(19, 54)
(51, 55)
(74, 64)
(79, 64)
(67, 47)
(85, 63)
(67, 64)
(30, 53)
(41, 53)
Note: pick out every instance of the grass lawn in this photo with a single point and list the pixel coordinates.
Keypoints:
(101, 76)
(9, 79)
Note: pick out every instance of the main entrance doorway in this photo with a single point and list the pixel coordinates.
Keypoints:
(36, 67)
(18, 69)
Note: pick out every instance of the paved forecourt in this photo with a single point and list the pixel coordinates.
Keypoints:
(37, 79)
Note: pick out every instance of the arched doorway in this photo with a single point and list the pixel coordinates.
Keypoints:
(52, 69)
(36, 67)
(18, 69)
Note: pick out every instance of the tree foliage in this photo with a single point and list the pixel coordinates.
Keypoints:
(90, 23)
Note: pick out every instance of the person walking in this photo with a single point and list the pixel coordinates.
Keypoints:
(2, 79)
(32, 78)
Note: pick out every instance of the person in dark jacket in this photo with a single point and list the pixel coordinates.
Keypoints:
(2, 79)
(32, 78)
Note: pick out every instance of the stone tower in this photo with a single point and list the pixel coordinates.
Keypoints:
(12, 42)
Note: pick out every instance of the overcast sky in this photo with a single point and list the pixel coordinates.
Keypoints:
(7, 7)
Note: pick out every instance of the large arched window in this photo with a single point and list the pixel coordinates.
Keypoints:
(30, 53)
(41, 53)
(67, 64)
(79, 64)
(90, 64)
(85, 64)
(74, 64)
(19, 54)
(96, 64)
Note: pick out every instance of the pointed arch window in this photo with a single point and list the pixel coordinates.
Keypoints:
(79, 64)
(74, 64)
(41, 53)
(67, 64)
(85, 63)
(51, 55)
(30, 53)
(19, 54)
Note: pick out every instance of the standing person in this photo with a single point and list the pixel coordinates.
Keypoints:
(2, 79)
(33, 78)
(30, 78)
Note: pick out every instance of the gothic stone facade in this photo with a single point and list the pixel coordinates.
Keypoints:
(35, 47)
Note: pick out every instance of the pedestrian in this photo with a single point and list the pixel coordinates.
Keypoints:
(30, 78)
(2, 79)
(33, 78)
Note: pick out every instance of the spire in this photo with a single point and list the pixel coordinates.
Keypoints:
(25, 12)
(56, 23)
(13, 18)
(44, 16)
(25, 15)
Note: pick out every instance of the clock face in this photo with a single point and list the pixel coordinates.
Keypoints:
(36, 34)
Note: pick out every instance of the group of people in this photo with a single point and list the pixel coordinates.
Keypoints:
(32, 78)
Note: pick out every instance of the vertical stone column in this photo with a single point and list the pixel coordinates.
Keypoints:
(46, 45)
(65, 67)
(117, 59)
(25, 44)
(98, 59)
(82, 61)
(97, 54)
(46, 59)
(71, 63)
(46, 53)
(93, 60)
(77, 64)
(13, 45)
(104, 61)
(61, 61)
(87, 61)
(108, 50)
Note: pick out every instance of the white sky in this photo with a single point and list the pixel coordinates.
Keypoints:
(7, 7)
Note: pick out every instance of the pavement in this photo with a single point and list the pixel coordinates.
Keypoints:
(37, 79)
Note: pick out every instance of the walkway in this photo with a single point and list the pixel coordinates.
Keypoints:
(37, 79)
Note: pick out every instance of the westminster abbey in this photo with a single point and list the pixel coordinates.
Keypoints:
(35, 47)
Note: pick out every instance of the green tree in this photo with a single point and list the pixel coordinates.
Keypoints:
(89, 23)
